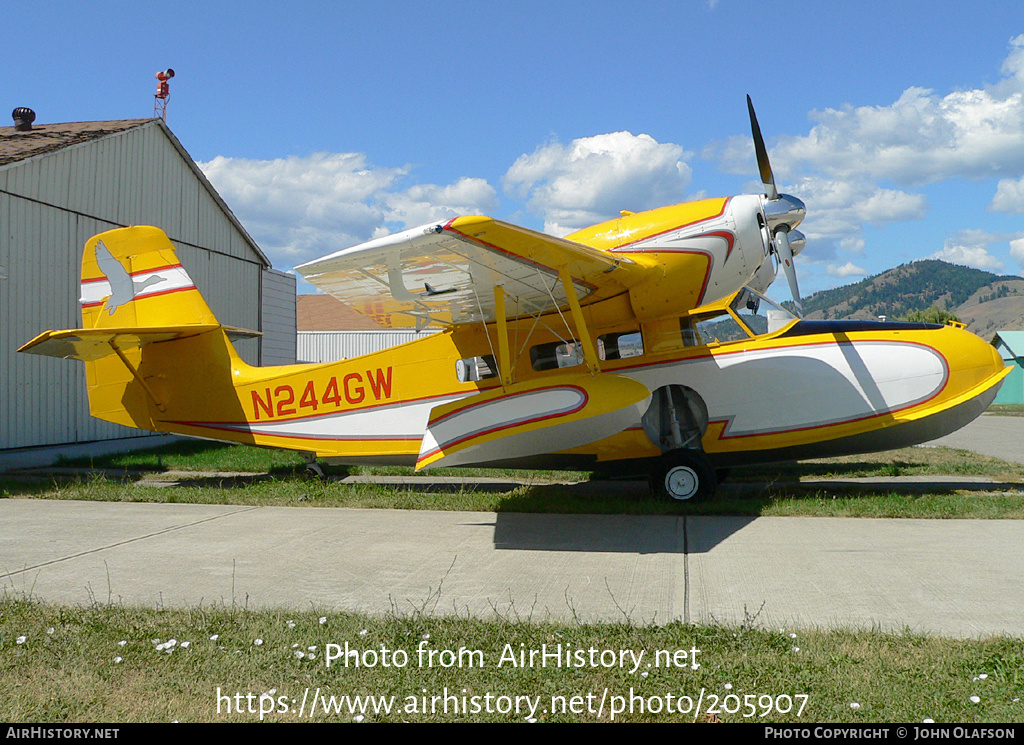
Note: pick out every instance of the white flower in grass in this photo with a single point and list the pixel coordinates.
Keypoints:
(357, 718)
(426, 636)
(299, 654)
(214, 637)
(122, 642)
(644, 674)
(363, 632)
(854, 705)
(118, 660)
(323, 620)
(291, 624)
(185, 645)
(312, 649)
(728, 686)
(983, 676)
(21, 639)
(50, 631)
(257, 642)
(975, 699)
(311, 655)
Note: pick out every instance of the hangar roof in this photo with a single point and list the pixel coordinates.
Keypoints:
(327, 313)
(1009, 343)
(45, 138)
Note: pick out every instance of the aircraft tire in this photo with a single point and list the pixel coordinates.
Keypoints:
(684, 476)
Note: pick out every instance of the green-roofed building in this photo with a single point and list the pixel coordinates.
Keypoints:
(1011, 348)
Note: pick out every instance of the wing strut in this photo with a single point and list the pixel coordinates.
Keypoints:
(582, 332)
(504, 359)
(135, 374)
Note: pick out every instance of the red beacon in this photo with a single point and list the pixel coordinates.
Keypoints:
(163, 92)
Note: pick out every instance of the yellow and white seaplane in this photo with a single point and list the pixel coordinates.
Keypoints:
(640, 345)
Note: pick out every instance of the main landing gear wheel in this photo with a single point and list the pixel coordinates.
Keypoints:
(683, 476)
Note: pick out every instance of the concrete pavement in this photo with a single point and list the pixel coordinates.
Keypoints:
(959, 578)
(998, 436)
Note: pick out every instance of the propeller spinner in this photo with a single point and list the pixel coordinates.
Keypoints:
(782, 212)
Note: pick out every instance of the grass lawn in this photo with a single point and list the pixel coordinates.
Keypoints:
(116, 664)
(271, 477)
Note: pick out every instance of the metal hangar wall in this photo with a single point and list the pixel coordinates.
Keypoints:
(62, 183)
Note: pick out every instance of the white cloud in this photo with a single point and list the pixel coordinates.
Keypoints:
(970, 248)
(1009, 196)
(839, 209)
(425, 202)
(920, 138)
(298, 208)
(592, 178)
(849, 269)
(1017, 250)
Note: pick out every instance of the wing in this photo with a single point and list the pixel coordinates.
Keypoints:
(447, 272)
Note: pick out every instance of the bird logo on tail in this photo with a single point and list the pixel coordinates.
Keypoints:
(123, 288)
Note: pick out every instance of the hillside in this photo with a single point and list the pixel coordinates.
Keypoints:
(984, 301)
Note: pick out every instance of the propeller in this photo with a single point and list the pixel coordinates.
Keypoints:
(782, 213)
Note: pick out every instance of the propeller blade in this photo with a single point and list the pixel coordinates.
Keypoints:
(765, 168)
(785, 254)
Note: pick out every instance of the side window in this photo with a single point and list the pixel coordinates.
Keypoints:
(556, 354)
(690, 336)
(620, 346)
(476, 368)
(720, 328)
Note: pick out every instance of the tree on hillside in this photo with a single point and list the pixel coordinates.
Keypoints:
(933, 314)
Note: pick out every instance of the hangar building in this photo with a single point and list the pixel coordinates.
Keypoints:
(1011, 348)
(62, 183)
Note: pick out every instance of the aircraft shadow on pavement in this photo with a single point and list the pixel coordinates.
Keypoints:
(637, 534)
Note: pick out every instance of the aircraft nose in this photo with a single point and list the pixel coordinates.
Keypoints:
(972, 361)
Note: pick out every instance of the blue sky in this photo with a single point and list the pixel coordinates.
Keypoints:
(901, 125)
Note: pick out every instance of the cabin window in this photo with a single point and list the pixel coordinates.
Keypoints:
(555, 355)
(476, 368)
(620, 346)
(689, 333)
(719, 328)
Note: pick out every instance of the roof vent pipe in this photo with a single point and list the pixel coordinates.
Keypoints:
(23, 118)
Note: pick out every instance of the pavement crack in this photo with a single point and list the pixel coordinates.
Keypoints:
(686, 573)
(126, 542)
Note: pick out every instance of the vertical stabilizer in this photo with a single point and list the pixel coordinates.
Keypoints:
(132, 278)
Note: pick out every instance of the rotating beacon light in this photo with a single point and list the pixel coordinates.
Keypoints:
(163, 92)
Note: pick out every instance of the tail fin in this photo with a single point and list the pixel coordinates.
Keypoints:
(136, 293)
(131, 277)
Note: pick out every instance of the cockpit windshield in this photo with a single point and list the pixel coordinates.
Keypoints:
(749, 314)
(758, 313)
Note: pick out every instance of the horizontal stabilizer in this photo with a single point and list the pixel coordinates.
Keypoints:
(93, 344)
(531, 418)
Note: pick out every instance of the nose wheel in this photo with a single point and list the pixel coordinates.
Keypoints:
(683, 476)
